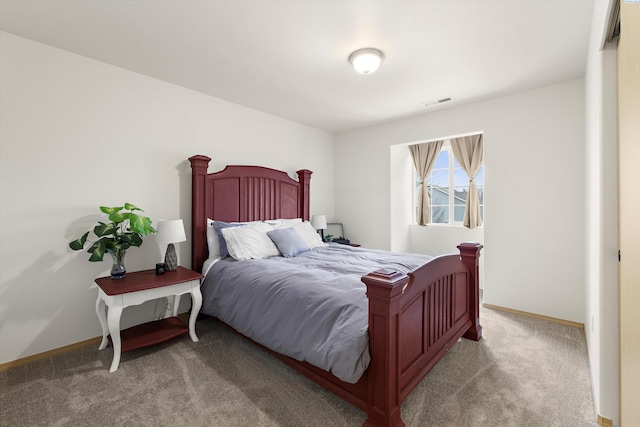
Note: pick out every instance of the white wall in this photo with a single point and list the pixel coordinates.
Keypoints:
(439, 240)
(602, 218)
(534, 176)
(77, 133)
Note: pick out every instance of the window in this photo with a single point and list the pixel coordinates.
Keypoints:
(447, 207)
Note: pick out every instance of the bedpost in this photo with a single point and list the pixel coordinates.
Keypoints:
(199, 166)
(304, 178)
(384, 289)
(469, 255)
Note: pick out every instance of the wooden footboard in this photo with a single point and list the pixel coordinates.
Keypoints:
(413, 320)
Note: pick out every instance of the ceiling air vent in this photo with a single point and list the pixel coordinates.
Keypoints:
(437, 101)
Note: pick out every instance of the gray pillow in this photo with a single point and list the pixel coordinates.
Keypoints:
(218, 226)
(288, 242)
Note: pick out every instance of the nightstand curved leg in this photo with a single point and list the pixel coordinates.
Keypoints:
(102, 317)
(196, 304)
(113, 321)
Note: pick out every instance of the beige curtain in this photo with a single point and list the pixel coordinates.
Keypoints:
(468, 151)
(424, 156)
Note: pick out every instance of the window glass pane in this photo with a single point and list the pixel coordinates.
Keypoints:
(458, 213)
(442, 161)
(460, 195)
(460, 177)
(439, 214)
(481, 193)
(439, 195)
(480, 176)
(439, 177)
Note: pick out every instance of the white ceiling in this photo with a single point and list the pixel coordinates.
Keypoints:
(289, 58)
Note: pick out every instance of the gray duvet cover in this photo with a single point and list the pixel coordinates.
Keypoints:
(312, 307)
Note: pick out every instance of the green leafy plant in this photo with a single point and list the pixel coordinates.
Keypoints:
(126, 229)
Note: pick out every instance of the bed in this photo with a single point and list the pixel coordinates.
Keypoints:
(413, 318)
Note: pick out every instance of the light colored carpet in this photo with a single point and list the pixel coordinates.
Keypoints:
(524, 373)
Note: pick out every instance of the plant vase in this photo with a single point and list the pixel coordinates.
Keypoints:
(118, 269)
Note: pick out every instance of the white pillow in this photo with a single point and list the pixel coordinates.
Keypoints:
(213, 242)
(306, 231)
(258, 226)
(251, 242)
(284, 221)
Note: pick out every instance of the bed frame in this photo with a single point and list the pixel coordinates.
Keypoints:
(413, 319)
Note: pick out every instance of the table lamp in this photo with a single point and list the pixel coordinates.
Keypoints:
(169, 232)
(319, 222)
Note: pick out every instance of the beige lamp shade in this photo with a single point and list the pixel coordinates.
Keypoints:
(170, 232)
(319, 222)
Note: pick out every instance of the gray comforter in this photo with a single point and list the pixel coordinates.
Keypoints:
(312, 307)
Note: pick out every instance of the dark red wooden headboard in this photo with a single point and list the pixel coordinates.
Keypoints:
(241, 193)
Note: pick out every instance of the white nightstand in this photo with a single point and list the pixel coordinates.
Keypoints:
(136, 288)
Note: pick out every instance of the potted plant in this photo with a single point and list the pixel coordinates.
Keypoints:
(125, 229)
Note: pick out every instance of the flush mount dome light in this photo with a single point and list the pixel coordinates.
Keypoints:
(367, 60)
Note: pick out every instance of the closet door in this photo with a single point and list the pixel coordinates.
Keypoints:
(629, 206)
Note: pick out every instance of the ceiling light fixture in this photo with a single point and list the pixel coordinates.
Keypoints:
(367, 60)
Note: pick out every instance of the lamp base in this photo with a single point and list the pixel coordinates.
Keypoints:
(171, 258)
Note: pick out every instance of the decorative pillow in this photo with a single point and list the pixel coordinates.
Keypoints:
(249, 242)
(308, 234)
(218, 226)
(288, 242)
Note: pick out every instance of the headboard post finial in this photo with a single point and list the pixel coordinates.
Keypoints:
(304, 178)
(199, 166)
